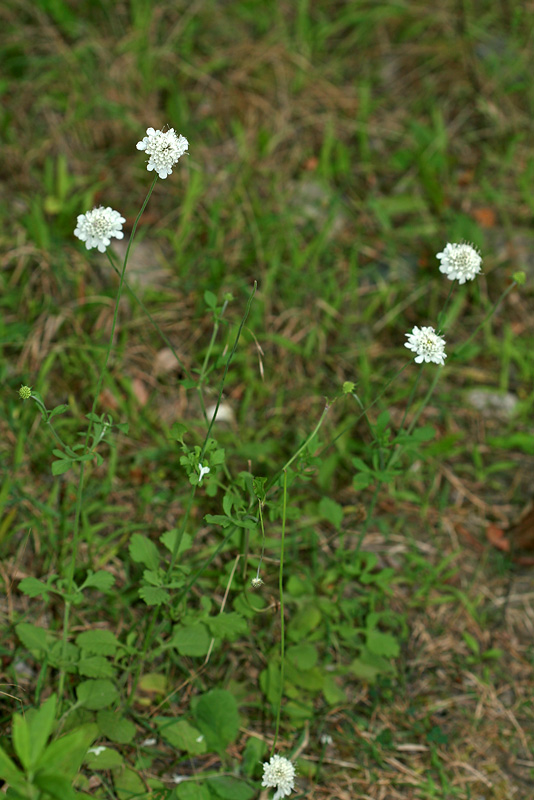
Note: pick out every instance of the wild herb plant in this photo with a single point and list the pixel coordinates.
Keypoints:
(97, 675)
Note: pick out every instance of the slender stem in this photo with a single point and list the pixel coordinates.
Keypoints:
(282, 630)
(441, 315)
(79, 491)
(486, 318)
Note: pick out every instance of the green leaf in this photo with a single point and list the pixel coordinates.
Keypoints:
(144, 551)
(10, 773)
(169, 537)
(218, 519)
(303, 622)
(115, 728)
(218, 718)
(331, 511)
(227, 626)
(64, 656)
(21, 741)
(103, 758)
(192, 791)
(382, 644)
(99, 580)
(65, 755)
(97, 694)
(33, 638)
(60, 467)
(255, 750)
(191, 640)
(55, 785)
(58, 410)
(34, 588)
(129, 785)
(154, 595)
(303, 656)
(182, 735)
(230, 788)
(95, 667)
(333, 693)
(210, 299)
(41, 725)
(99, 642)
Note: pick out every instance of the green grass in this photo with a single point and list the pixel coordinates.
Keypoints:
(334, 149)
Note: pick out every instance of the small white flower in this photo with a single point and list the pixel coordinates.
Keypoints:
(149, 742)
(97, 750)
(460, 262)
(279, 772)
(98, 226)
(326, 739)
(164, 149)
(203, 471)
(427, 344)
(256, 582)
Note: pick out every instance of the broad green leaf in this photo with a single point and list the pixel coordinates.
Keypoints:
(303, 622)
(218, 718)
(191, 640)
(34, 588)
(144, 551)
(303, 656)
(64, 656)
(21, 741)
(95, 667)
(99, 580)
(333, 693)
(115, 728)
(169, 537)
(101, 757)
(97, 694)
(210, 299)
(129, 785)
(33, 638)
(99, 642)
(10, 773)
(270, 682)
(331, 511)
(182, 735)
(230, 788)
(255, 750)
(154, 595)
(227, 626)
(65, 755)
(41, 725)
(55, 785)
(192, 791)
(382, 644)
(60, 467)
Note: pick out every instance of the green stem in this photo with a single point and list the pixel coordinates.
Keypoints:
(282, 630)
(486, 318)
(79, 491)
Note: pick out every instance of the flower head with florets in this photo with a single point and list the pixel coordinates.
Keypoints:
(427, 344)
(279, 773)
(96, 227)
(164, 149)
(460, 262)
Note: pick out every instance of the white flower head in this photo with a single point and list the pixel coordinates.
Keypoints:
(427, 344)
(96, 227)
(279, 773)
(460, 262)
(164, 149)
(203, 471)
(256, 582)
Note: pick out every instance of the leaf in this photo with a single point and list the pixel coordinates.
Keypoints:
(218, 718)
(99, 580)
(303, 656)
(115, 728)
(99, 642)
(144, 551)
(97, 694)
(60, 467)
(154, 595)
(33, 638)
(34, 588)
(95, 667)
(41, 725)
(54, 785)
(182, 735)
(10, 773)
(169, 537)
(210, 299)
(103, 758)
(57, 410)
(65, 755)
(192, 791)
(129, 785)
(230, 788)
(191, 640)
(331, 511)
(382, 644)
(218, 519)
(253, 754)
(21, 741)
(333, 693)
(227, 626)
